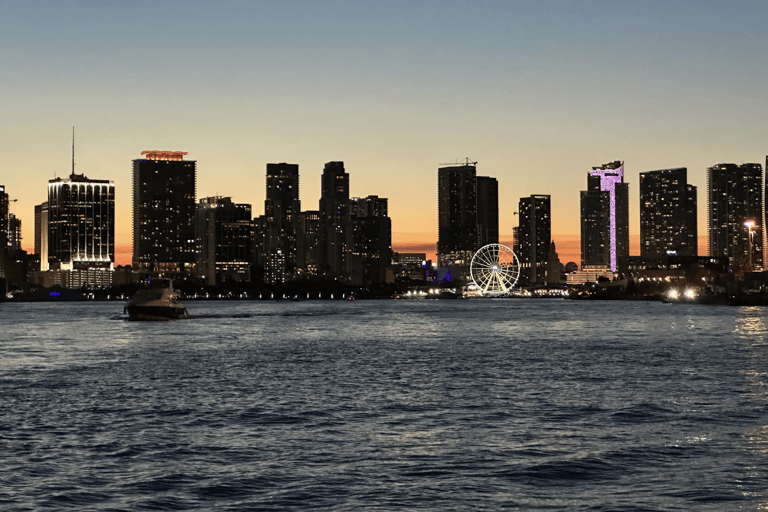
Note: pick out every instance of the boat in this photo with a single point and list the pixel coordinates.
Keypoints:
(156, 300)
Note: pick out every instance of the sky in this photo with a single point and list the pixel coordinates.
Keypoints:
(535, 92)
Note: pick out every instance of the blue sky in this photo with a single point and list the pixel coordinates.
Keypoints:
(536, 92)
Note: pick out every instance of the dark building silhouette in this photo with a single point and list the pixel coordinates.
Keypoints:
(310, 250)
(668, 222)
(41, 234)
(282, 210)
(372, 238)
(487, 210)
(336, 237)
(533, 238)
(223, 234)
(735, 196)
(164, 187)
(4, 212)
(605, 216)
(14, 232)
(457, 238)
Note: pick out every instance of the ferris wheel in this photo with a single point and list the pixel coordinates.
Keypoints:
(495, 269)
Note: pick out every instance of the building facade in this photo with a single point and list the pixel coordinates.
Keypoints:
(533, 238)
(164, 186)
(668, 223)
(41, 234)
(372, 238)
(336, 238)
(282, 210)
(310, 250)
(81, 231)
(487, 210)
(734, 199)
(605, 216)
(223, 238)
(457, 236)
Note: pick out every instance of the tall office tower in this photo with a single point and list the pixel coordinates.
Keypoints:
(372, 238)
(667, 214)
(14, 232)
(281, 211)
(3, 217)
(335, 221)
(457, 237)
(223, 236)
(309, 254)
(41, 234)
(534, 236)
(487, 210)
(605, 216)
(81, 230)
(163, 213)
(765, 205)
(734, 197)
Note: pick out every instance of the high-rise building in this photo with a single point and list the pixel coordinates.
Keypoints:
(41, 234)
(605, 216)
(223, 234)
(734, 198)
(282, 210)
(668, 222)
(14, 232)
(81, 231)
(3, 217)
(163, 213)
(310, 248)
(372, 237)
(336, 237)
(457, 236)
(487, 210)
(533, 238)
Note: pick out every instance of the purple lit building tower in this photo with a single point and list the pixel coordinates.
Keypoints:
(605, 217)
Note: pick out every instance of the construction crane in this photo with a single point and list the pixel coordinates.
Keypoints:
(458, 162)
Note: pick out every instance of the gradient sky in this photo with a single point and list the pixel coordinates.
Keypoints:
(535, 92)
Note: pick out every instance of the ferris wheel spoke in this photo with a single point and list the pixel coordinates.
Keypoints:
(485, 258)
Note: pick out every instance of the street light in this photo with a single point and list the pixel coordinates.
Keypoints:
(750, 224)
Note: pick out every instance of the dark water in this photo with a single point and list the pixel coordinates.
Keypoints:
(424, 405)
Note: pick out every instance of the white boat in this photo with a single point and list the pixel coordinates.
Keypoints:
(157, 300)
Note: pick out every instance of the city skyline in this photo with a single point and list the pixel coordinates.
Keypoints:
(535, 93)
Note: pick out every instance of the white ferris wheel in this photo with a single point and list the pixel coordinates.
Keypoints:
(495, 269)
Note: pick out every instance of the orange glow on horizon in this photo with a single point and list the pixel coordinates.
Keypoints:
(568, 247)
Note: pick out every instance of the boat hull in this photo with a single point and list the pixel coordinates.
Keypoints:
(149, 312)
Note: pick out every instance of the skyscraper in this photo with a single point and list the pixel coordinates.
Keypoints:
(735, 196)
(14, 232)
(310, 250)
(163, 213)
(282, 210)
(81, 230)
(457, 237)
(487, 210)
(605, 216)
(533, 237)
(3, 218)
(372, 237)
(668, 222)
(223, 234)
(41, 234)
(336, 237)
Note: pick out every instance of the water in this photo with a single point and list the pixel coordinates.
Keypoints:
(382, 405)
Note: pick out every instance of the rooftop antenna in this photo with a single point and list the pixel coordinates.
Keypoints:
(73, 152)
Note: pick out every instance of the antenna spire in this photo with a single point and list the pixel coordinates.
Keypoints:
(73, 152)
